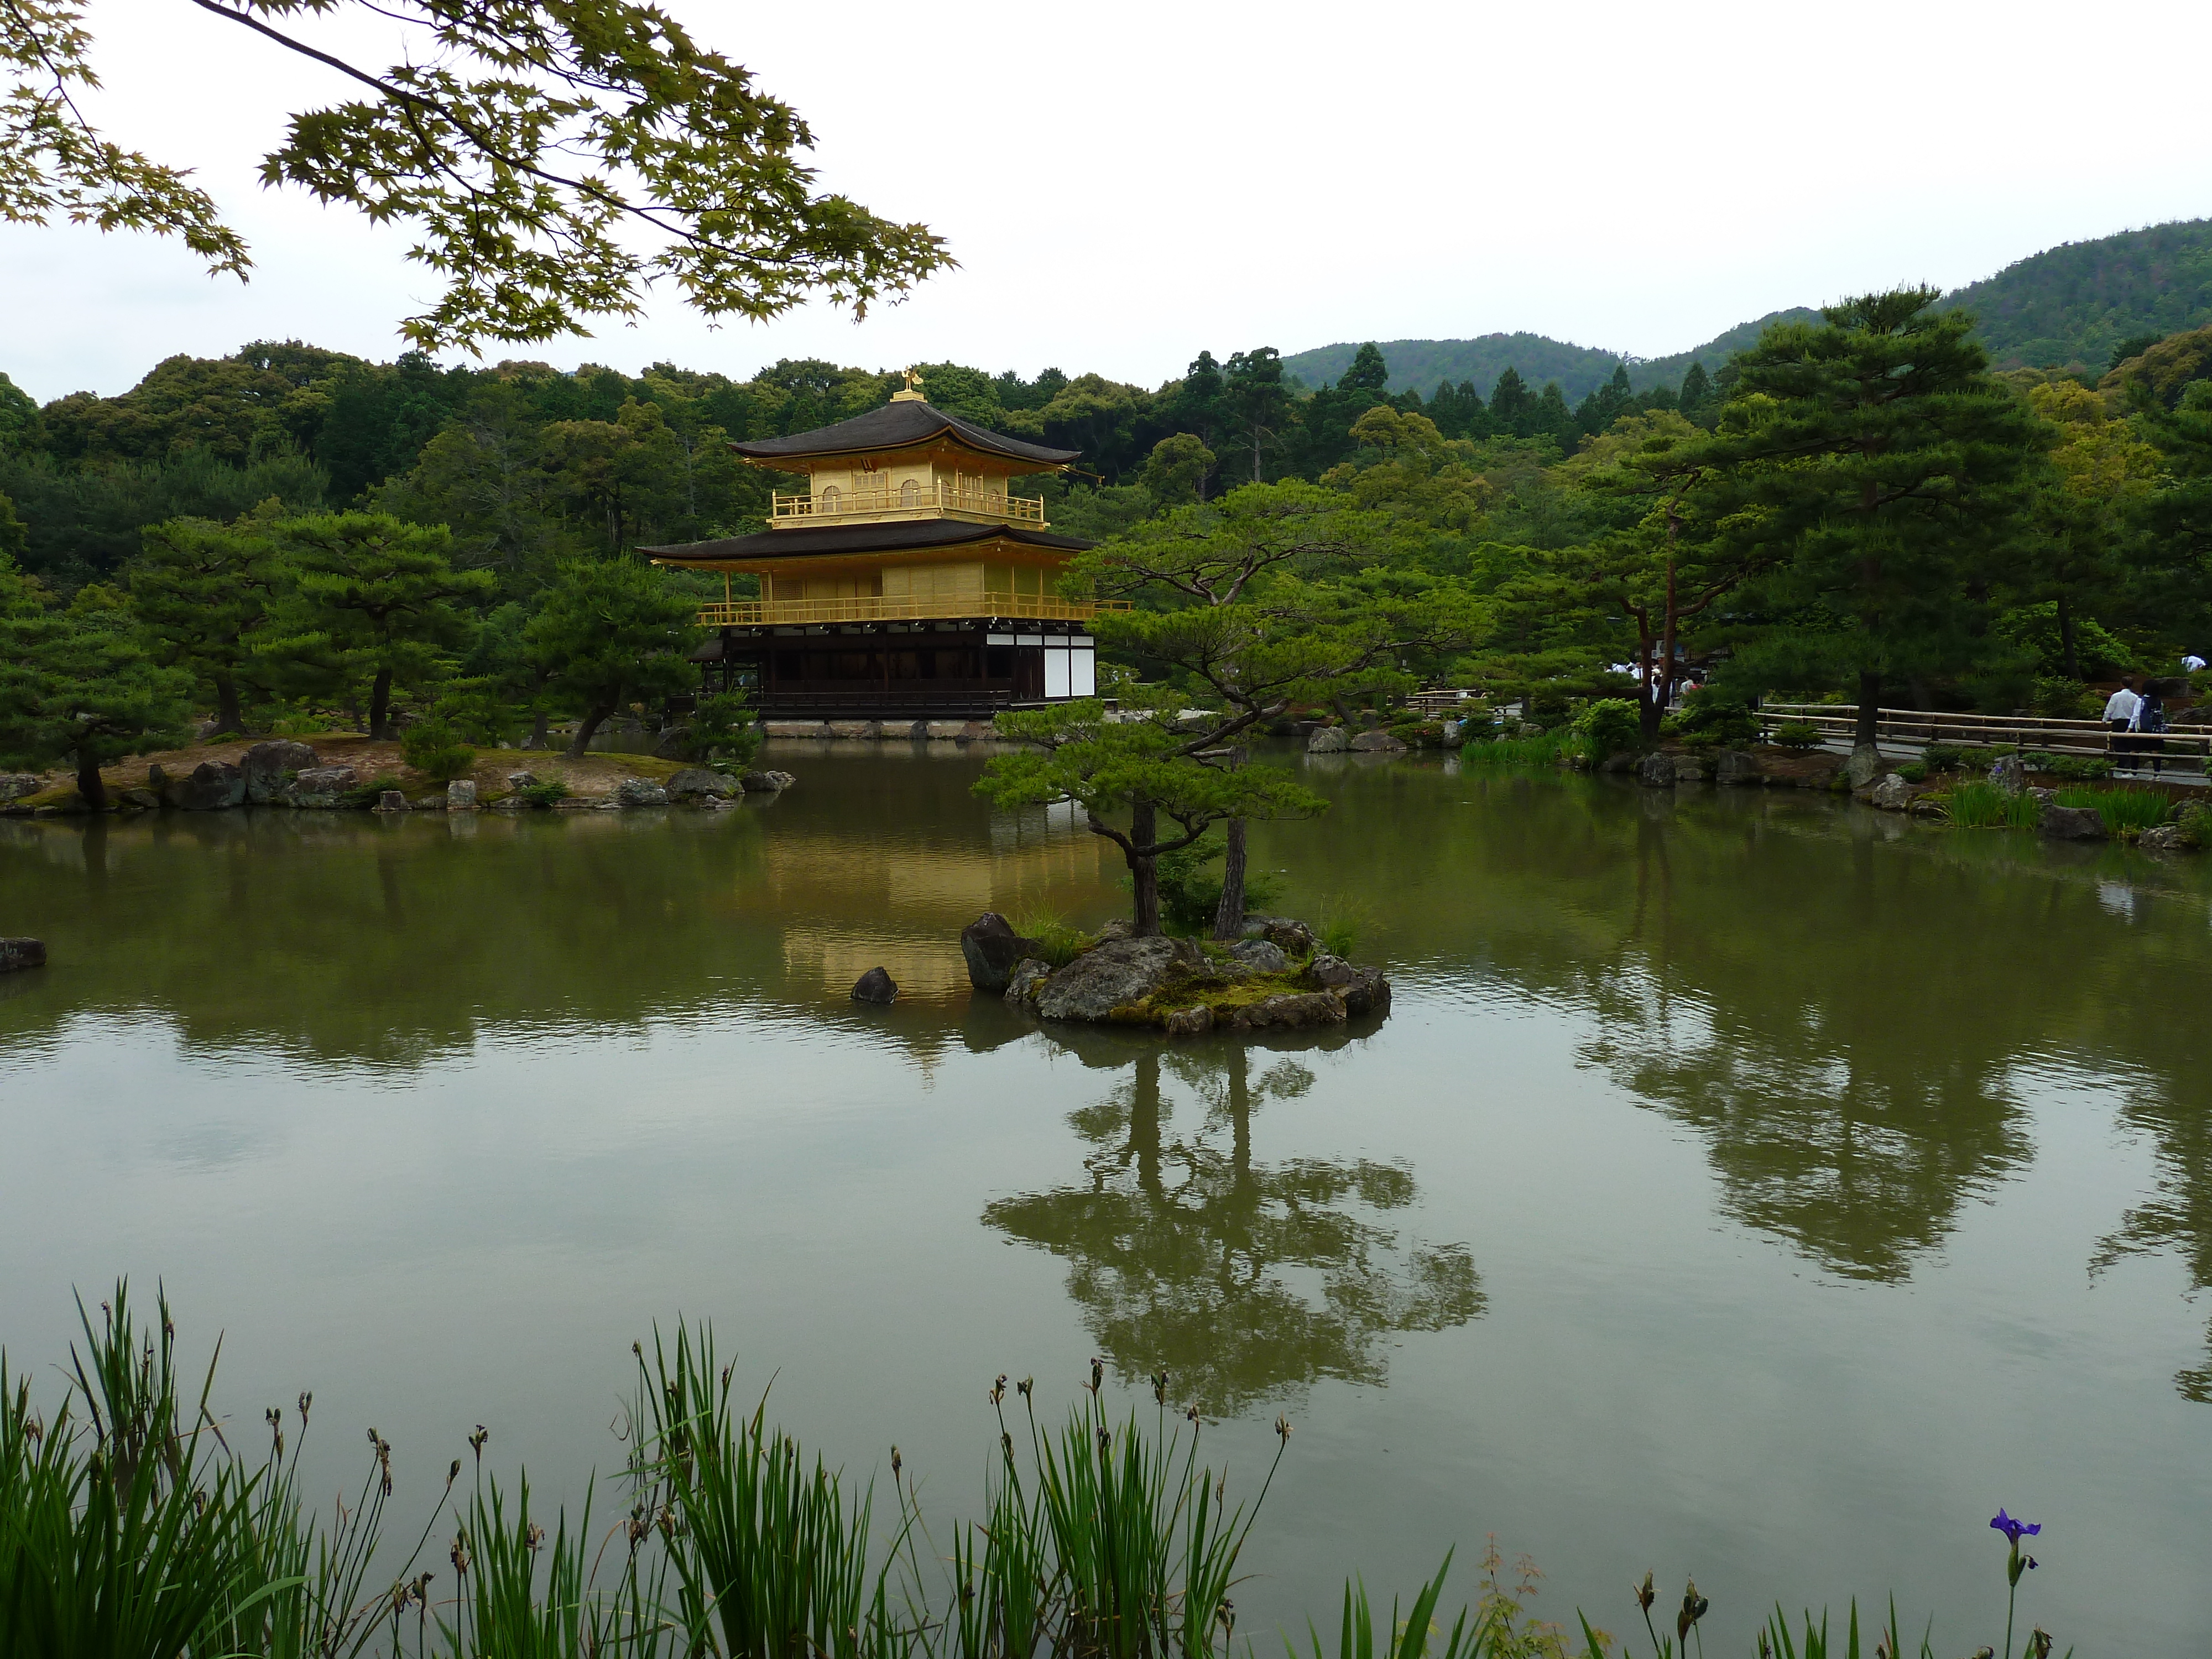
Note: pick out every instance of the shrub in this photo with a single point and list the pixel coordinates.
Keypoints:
(1959, 757)
(2066, 700)
(1420, 734)
(2196, 822)
(1798, 734)
(476, 712)
(1609, 726)
(431, 748)
(1717, 718)
(365, 794)
(721, 732)
(543, 794)
(1917, 772)
(2125, 811)
(1190, 889)
(2083, 768)
(1546, 709)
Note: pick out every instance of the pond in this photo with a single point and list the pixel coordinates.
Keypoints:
(1744, 1184)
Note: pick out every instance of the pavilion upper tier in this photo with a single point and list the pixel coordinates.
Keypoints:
(904, 461)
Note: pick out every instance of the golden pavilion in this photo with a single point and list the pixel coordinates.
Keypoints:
(907, 578)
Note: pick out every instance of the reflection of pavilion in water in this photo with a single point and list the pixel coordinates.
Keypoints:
(1243, 1279)
(853, 904)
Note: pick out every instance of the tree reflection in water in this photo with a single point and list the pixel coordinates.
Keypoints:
(2178, 1216)
(1244, 1279)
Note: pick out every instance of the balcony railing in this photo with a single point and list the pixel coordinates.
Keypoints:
(758, 613)
(837, 506)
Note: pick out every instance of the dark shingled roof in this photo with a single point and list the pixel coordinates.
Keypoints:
(895, 426)
(895, 536)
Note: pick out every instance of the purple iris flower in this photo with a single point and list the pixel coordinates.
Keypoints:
(2014, 1529)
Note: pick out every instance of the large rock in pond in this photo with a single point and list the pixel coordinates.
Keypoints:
(2008, 772)
(1378, 743)
(1261, 956)
(2163, 838)
(1327, 740)
(212, 786)
(1291, 1008)
(1737, 766)
(16, 953)
(1865, 765)
(695, 782)
(994, 950)
(876, 985)
(766, 783)
(640, 792)
(1363, 990)
(14, 786)
(1892, 795)
(461, 795)
(265, 765)
(1657, 772)
(323, 787)
(1118, 974)
(1286, 934)
(2072, 823)
(1027, 979)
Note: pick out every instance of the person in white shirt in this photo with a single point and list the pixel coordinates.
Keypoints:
(2191, 663)
(2120, 708)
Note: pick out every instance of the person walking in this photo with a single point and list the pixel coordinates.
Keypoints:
(2149, 720)
(2119, 716)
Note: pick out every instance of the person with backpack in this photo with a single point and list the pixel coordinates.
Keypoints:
(2149, 719)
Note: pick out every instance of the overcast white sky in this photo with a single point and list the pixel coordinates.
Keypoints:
(1124, 185)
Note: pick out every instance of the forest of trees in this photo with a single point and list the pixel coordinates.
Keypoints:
(1858, 504)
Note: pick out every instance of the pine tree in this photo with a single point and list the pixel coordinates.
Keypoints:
(204, 591)
(76, 685)
(1876, 449)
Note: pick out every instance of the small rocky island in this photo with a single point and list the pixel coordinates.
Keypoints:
(1276, 976)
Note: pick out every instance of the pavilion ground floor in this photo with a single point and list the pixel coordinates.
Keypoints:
(870, 669)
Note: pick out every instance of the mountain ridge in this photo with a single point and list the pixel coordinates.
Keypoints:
(2066, 307)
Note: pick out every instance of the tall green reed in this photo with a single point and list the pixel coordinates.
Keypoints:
(773, 1562)
(128, 1526)
(1978, 805)
(1545, 749)
(2123, 810)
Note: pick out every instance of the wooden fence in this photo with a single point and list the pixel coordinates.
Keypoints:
(2183, 748)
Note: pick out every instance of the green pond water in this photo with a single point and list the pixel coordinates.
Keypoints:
(1744, 1184)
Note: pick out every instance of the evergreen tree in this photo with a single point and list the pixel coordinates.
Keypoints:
(76, 685)
(609, 632)
(1368, 372)
(1258, 400)
(373, 598)
(1511, 404)
(1877, 451)
(1696, 393)
(204, 591)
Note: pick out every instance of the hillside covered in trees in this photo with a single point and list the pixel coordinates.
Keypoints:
(289, 535)
(2072, 307)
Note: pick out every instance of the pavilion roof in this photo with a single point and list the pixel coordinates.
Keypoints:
(899, 534)
(900, 425)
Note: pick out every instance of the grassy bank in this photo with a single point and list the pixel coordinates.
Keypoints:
(135, 1525)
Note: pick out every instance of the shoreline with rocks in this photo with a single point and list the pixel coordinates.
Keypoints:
(348, 772)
